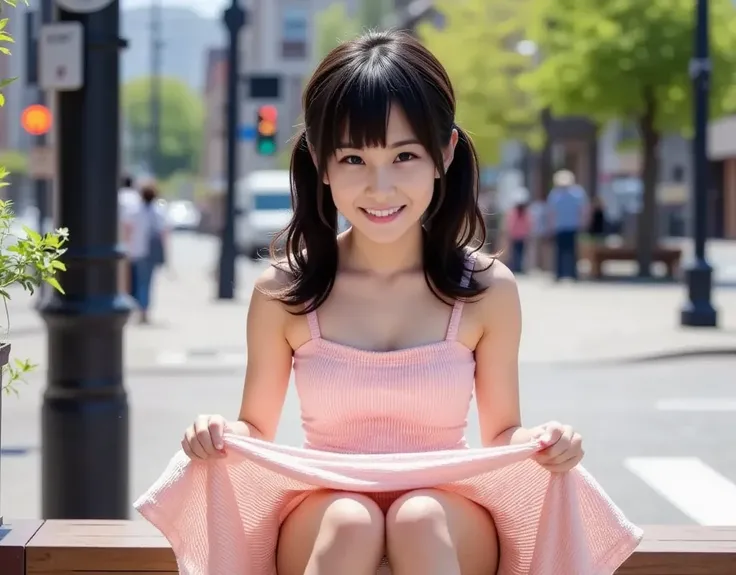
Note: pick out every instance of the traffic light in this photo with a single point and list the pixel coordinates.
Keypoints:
(266, 129)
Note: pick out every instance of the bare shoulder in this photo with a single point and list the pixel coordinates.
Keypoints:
(273, 280)
(502, 292)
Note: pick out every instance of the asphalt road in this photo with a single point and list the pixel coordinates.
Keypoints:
(659, 436)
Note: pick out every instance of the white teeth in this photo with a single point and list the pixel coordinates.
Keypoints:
(382, 213)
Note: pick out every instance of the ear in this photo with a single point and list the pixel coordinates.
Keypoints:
(448, 154)
(313, 153)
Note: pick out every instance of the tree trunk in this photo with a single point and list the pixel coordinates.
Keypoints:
(647, 232)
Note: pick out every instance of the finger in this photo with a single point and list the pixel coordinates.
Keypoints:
(194, 446)
(561, 446)
(187, 450)
(216, 427)
(563, 466)
(552, 433)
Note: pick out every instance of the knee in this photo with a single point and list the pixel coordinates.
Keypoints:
(353, 519)
(419, 514)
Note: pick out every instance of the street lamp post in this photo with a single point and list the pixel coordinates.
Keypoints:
(84, 424)
(698, 311)
(234, 18)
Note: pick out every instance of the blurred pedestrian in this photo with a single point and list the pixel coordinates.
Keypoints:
(567, 210)
(598, 228)
(128, 201)
(146, 235)
(518, 228)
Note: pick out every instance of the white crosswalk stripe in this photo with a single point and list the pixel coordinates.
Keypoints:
(694, 488)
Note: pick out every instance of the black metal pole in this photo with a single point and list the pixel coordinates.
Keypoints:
(698, 311)
(155, 102)
(85, 459)
(234, 18)
(42, 187)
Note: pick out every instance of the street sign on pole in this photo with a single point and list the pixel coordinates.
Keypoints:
(247, 133)
(42, 163)
(83, 6)
(60, 56)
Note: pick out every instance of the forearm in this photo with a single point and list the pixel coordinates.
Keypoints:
(512, 436)
(244, 429)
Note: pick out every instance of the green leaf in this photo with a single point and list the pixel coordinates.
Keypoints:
(33, 235)
(54, 284)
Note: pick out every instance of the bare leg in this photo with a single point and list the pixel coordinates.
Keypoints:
(432, 532)
(332, 533)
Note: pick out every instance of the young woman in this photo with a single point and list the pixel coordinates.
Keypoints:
(392, 326)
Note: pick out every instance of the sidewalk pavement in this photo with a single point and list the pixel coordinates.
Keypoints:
(563, 323)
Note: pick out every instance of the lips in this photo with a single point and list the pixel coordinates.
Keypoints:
(383, 215)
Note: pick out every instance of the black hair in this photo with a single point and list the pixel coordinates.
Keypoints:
(352, 90)
(149, 193)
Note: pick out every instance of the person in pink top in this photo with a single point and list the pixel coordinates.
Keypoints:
(391, 328)
(518, 229)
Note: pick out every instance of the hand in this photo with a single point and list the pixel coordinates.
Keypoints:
(563, 447)
(203, 439)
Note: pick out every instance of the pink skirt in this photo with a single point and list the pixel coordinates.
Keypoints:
(222, 517)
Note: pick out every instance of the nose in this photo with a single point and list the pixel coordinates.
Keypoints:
(382, 181)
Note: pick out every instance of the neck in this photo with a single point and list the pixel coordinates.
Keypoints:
(403, 255)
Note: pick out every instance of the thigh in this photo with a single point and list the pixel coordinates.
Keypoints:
(322, 510)
(471, 527)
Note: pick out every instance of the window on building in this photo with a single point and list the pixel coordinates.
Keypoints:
(294, 33)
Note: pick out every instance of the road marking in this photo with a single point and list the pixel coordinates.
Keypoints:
(697, 490)
(183, 358)
(707, 404)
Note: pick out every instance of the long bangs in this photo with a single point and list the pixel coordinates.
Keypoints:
(360, 107)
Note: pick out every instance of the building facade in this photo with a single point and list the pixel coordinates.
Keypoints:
(279, 40)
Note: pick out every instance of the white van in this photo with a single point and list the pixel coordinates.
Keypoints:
(263, 208)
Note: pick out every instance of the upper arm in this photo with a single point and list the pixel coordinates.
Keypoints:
(497, 354)
(269, 359)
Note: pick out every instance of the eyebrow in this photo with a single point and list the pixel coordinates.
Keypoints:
(400, 143)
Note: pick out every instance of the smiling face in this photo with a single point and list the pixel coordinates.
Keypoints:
(384, 191)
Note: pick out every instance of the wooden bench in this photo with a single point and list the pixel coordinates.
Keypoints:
(598, 254)
(137, 548)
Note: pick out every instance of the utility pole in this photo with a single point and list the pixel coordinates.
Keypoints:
(235, 19)
(157, 44)
(698, 311)
(84, 424)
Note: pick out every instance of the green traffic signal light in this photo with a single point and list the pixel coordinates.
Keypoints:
(266, 147)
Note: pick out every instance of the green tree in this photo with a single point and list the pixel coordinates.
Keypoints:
(372, 13)
(629, 60)
(478, 47)
(333, 26)
(182, 124)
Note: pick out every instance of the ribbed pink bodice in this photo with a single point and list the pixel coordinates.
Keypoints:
(409, 400)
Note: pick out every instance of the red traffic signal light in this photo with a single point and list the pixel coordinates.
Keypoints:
(268, 113)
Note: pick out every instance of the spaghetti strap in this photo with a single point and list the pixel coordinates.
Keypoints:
(313, 325)
(457, 309)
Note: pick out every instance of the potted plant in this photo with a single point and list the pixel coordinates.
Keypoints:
(26, 261)
(27, 258)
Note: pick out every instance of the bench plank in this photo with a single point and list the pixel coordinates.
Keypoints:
(123, 547)
(14, 536)
(137, 548)
(684, 550)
